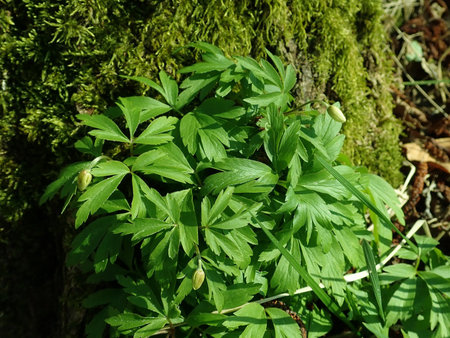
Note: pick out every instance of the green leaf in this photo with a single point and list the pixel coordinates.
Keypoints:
(310, 210)
(232, 244)
(170, 88)
(401, 303)
(95, 196)
(131, 111)
(86, 146)
(290, 80)
(107, 251)
(194, 84)
(126, 321)
(382, 190)
(167, 161)
(253, 66)
(219, 107)
(305, 276)
(66, 179)
(109, 168)
(143, 294)
(144, 108)
(187, 221)
(277, 62)
(239, 171)
(253, 316)
(138, 206)
(288, 146)
(363, 199)
(271, 73)
(87, 240)
(397, 272)
(216, 286)
(155, 325)
(285, 326)
(106, 128)
(373, 275)
(265, 99)
(157, 131)
(189, 127)
(285, 276)
(439, 289)
(142, 228)
(238, 294)
(219, 205)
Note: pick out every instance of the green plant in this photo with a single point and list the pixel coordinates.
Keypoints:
(221, 196)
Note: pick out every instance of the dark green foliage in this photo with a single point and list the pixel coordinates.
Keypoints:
(62, 58)
(223, 195)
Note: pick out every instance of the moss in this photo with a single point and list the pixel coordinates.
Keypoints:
(59, 58)
(64, 57)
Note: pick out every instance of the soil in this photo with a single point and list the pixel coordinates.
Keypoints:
(422, 100)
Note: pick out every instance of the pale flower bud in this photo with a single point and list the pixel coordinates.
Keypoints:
(197, 280)
(336, 114)
(84, 179)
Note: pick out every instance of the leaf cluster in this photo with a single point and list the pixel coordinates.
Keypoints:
(223, 174)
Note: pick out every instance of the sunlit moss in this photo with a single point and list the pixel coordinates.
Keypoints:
(61, 58)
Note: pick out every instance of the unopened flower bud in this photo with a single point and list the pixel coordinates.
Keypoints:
(84, 179)
(197, 280)
(336, 114)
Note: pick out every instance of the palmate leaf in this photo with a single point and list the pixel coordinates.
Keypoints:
(238, 171)
(86, 242)
(95, 196)
(363, 199)
(170, 88)
(167, 161)
(142, 108)
(311, 211)
(87, 146)
(200, 131)
(234, 245)
(439, 289)
(327, 131)
(109, 168)
(305, 276)
(142, 228)
(193, 85)
(253, 316)
(157, 131)
(126, 321)
(106, 128)
(107, 251)
(285, 277)
(401, 304)
(65, 179)
(285, 326)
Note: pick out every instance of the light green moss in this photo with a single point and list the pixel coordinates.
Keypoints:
(59, 60)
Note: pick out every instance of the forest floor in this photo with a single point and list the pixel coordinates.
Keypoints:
(420, 41)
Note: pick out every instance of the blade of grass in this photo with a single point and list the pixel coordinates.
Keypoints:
(332, 306)
(363, 199)
(426, 82)
(373, 276)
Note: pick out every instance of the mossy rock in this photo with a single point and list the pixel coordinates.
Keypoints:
(62, 58)
(59, 58)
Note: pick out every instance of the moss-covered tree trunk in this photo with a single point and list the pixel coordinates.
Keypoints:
(58, 58)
